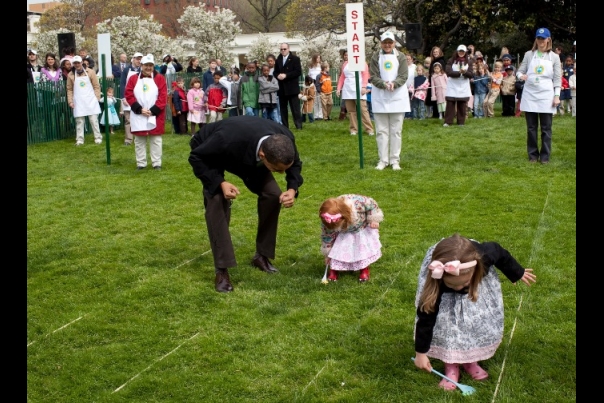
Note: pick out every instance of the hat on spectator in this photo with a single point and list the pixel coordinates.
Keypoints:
(506, 56)
(509, 67)
(138, 54)
(543, 33)
(148, 59)
(164, 56)
(462, 47)
(387, 35)
(31, 51)
(478, 55)
(76, 59)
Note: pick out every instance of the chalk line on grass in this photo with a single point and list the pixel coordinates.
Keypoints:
(61, 328)
(190, 260)
(154, 362)
(313, 380)
(536, 241)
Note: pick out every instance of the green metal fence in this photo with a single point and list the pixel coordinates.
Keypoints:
(50, 118)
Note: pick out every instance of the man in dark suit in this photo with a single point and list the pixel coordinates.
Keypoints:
(288, 70)
(251, 149)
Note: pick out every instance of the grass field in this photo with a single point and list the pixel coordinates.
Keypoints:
(121, 304)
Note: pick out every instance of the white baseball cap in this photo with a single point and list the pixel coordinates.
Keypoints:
(76, 59)
(31, 51)
(387, 35)
(138, 54)
(148, 59)
(462, 47)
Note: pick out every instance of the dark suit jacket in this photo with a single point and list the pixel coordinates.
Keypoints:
(115, 70)
(230, 145)
(293, 69)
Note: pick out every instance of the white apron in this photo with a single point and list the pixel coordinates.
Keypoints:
(146, 93)
(84, 98)
(458, 87)
(383, 101)
(349, 89)
(124, 102)
(538, 93)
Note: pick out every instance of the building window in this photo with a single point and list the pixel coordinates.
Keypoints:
(147, 2)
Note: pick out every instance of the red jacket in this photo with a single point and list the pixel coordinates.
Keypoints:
(179, 98)
(157, 109)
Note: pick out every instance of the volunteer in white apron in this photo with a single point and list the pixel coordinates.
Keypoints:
(459, 70)
(542, 74)
(132, 69)
(347, 89)
(389, 100)
(83, 94)
(147, 96)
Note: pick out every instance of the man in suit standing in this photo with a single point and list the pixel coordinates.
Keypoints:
(130, 70)
(288, 69)
(251, 149)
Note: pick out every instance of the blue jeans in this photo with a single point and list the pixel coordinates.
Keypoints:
(249, 111)
(478, 101)
(271, 114)
(419, 108)
(311, 117)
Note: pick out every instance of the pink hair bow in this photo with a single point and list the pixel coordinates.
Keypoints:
(452, 267)
(329, 218)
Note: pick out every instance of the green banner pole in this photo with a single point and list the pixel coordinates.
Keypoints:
(359, 124)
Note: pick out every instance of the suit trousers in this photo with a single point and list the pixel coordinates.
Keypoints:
(533, 119)
(389, 127)
(218, 218)
(294, 105)
(351, 107)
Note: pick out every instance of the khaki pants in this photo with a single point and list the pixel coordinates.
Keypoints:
(489, 102)
(326, 105)
(128, 137)
(351, 108)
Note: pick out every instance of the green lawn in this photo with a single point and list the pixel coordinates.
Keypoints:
(121, 304)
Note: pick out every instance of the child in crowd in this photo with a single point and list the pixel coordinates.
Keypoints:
(114, 119)
(495, 79)
(460, 313)
(481, 89)
(215, 98)
(564, 93)
(567, 73)
(269, 86)
(197, 111)
(350, 239)
(307, 96)
(368, 89)
(232, 83)
(508, 92)
(420, 88)
(519, 88)
(439, 87)
(325, 89)
(181, 105)
(250, 91)
(506, 61)
(572, 83)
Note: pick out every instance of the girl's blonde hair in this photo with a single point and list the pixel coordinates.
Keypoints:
(498, 64)
(332, 206)
(548, 46)
(452, 248)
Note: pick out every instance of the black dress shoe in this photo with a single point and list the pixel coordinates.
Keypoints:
(223, 283)
(263, 264)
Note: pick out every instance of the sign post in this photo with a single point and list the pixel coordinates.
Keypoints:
(355, 36)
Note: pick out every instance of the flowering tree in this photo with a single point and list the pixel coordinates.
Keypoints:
(49, 42)
(134, 34)
(262, 47)
(212, 31)
(327, 46)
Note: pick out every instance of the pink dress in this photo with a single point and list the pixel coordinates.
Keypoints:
(359, 245)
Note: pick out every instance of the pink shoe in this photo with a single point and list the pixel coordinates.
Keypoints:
(475, 371)
(364, 276)
(451, 371)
